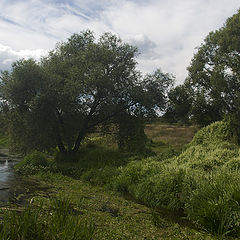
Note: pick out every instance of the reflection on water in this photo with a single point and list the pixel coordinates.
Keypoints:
(14, 188)
(5, 170)
(7, 177)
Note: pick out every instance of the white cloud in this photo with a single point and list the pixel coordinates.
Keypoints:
(8, 55)
(166, 32)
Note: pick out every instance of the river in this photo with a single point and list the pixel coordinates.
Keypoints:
(14, 188)
(8, 180)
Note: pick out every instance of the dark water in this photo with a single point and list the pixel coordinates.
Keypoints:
(17, 189)
(8, 180)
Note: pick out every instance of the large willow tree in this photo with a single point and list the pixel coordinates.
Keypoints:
(82, 84)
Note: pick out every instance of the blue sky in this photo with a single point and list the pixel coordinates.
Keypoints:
(166, 32)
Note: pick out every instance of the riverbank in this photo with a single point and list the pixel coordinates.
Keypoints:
(111, 216)
(100, 190)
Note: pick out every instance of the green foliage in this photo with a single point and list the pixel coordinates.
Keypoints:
(36, 159)
(4, 141)
(92, 164)
(157, 219)
(202, 181)
(130, 135)
(202, 111)
(217, 132)
(83, 84)
(101, 176)
(214, 73)
(163, 151)
(116, 217)
(215, 203)
(207, 158)
(40, 223)
(134, 173)
(179, 105)
(26, 225)
(156, 87)
(32, 163)
(233, 164)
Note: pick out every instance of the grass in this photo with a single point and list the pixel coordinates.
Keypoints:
(54, 220)
(174, 135)
(198, 182)
(106, 188)
(4, 140)
(102, 214)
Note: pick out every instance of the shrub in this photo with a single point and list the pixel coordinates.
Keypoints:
(165, 189)
(134, 173)
(217, 132)
(207, 158)
(32, 163)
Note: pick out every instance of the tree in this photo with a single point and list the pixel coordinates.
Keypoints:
(203, 113)
(179, 105)
(214, 72)
(80, 85)
(156, 86)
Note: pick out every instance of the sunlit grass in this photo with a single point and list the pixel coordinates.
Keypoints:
(175, 135)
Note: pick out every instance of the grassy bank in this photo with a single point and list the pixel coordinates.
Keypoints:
(99, 214)
(179, 193)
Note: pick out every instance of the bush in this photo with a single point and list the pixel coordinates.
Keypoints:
(32, 163)
(217, 132)
(164, 190)
(101, 176)
(134, 173)
(156, 184)
(207, 158)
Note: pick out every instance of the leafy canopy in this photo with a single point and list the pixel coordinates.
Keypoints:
(82, 84)
(214, 73)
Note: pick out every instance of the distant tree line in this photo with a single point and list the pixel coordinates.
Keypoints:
(212, 89)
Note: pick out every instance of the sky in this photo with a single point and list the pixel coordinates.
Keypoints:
(166, 32)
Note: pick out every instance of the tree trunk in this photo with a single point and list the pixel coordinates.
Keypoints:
(60, 144)
(61, 147)
(81, 136)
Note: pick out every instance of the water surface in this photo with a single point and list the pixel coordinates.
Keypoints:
(7, 177)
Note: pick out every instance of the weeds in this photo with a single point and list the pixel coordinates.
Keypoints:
(201, 182)
(42, 223)
(198, 181)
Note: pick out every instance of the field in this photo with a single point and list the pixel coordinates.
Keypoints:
(174, 135)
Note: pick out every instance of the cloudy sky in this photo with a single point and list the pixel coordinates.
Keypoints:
(166, 32)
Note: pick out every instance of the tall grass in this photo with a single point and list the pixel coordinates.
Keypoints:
(202, 182)
(215, 203)
(57, 221)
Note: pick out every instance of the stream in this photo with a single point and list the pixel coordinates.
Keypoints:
(8, 180)
(16, 189)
